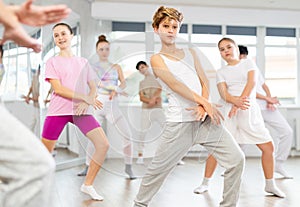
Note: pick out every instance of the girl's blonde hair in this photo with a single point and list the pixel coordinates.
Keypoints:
(165, 12)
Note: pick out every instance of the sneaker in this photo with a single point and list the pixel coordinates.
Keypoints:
(83, 172)
(201, 189)
(90, 190)
(128, 171)
(279, 169)
(140, 161)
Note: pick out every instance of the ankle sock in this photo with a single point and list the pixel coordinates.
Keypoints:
(273, 189)
(205, 181)
(90, 190)
(203, 187)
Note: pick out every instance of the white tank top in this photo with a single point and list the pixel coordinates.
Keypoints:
(185, 72)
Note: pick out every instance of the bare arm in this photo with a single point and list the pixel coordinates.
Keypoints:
(68, 93)
(157, 94)
(162, 72)
(121, 76)
(201, 75)
(83, 106)
(27, 97)
(14, 31)
(268, 98)
(241, 101)
(12, 16)
(34, 15)
(227, 97)
(93, 88)
(268, 95)
(47, 97)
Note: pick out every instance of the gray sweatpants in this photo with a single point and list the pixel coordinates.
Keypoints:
(26, 166)
(175, 142)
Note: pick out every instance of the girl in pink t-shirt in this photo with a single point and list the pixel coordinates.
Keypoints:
(74, 95)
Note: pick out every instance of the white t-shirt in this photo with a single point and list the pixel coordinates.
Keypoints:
(236, 77)
(185, 72)
(259, 89)
(73, 73)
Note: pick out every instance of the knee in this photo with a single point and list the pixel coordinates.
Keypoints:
(268, 148)
(240, 159)
(106, 146)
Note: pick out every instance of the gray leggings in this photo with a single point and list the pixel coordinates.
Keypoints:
(175, 142)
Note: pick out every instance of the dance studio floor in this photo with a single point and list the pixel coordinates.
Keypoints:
(177, 191)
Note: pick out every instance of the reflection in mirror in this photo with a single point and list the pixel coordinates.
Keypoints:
(20, 85)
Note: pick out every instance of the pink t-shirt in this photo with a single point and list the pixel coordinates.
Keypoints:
(73, 73)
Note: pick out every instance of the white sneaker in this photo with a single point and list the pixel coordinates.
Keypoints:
(90, 190)
(279, 169)
(140, 161)
(201, 189)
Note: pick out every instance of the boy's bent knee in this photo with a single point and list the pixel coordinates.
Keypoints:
(239, 159)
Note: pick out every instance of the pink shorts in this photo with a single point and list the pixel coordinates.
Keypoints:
(54, 125)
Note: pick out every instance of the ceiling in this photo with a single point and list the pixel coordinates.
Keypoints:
(249, 4)
(281, 5)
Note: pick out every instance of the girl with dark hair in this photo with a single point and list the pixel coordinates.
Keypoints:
(73, 99)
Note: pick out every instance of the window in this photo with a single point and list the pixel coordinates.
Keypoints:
(281, 72)
(281, 63)
(16, 80)
(128, 26)
(205, 39)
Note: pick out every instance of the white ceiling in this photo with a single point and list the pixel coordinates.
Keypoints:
(247, 4)
(290, 7)
(250, 4)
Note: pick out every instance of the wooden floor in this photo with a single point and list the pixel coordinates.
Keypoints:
(177, 191)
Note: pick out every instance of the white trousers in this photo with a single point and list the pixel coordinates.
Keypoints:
(282, 133)
(148, 118)
(26, 166)
(112, 113)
